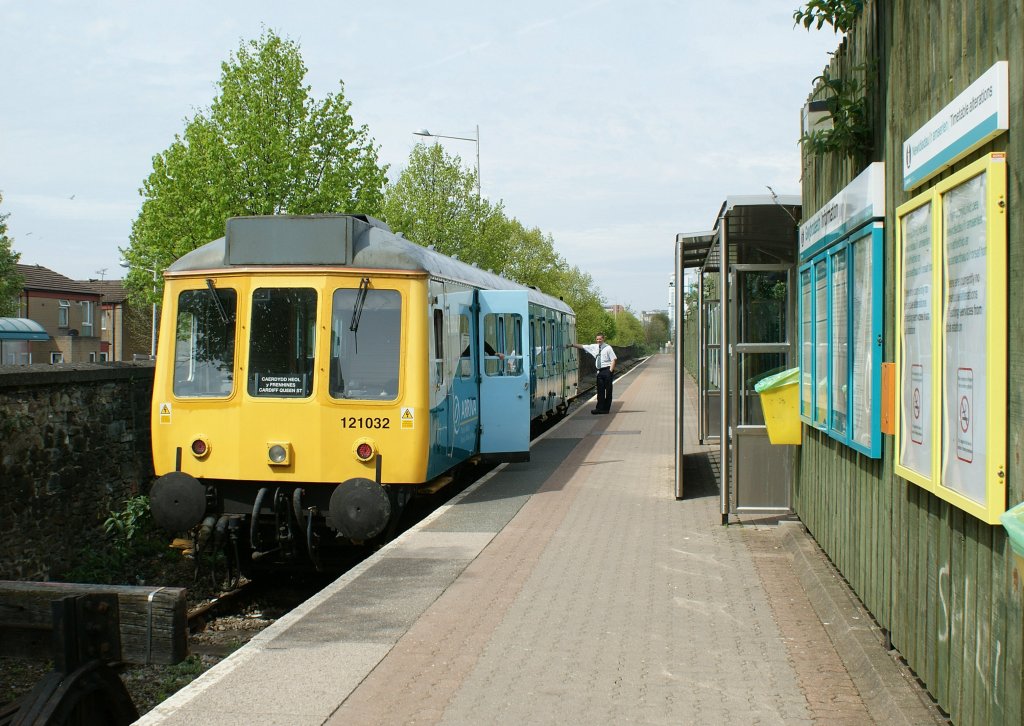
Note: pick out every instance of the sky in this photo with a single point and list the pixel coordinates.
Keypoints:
(611, 125)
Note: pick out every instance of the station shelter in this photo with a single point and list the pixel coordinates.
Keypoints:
(742, 323)
(15, 336)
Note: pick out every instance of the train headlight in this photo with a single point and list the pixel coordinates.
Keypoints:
(279, 453)
(364, 449)
(200, 447)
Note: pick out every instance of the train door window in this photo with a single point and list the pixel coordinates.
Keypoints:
(366, 330)
(438, 346)
(514, 360)
(282, 341)
(501, 354)
(465, 340)
(204, 345)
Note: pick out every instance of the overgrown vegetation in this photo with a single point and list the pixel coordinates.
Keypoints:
(133, 552)
(847, 105)
(840, 14)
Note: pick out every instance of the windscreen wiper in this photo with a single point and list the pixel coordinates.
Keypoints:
(357, 309)
(357, 312)
(217, 302)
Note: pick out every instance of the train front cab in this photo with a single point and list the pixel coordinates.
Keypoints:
(288, 383)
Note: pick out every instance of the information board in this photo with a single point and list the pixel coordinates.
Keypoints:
(840, 340)
(964, 243)
(916, 246)
(951, 344)
(864, 341)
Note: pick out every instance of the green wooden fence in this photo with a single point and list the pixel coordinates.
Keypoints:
(940, 581)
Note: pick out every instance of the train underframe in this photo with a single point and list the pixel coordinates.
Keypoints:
(248, 527)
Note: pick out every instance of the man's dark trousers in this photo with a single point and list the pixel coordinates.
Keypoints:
(604, 390)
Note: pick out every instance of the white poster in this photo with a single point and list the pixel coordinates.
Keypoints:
(915, 407)
(840, 337)
(806, 355)
(863, 339)
(821, 343)
(965, 243)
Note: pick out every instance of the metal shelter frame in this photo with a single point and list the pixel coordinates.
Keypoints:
(752, 237)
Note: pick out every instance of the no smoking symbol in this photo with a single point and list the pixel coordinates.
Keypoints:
(965, 414)
(917, 403)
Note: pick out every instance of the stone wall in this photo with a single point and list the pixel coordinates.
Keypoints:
(74, 445)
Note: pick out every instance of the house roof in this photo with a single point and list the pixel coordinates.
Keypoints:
(44, 279)
(112, 290)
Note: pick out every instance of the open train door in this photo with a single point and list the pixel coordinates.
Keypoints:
(504, 377)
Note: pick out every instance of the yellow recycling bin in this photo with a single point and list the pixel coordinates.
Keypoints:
(780, 402)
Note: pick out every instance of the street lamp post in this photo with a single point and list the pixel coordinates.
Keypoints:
(424, 132)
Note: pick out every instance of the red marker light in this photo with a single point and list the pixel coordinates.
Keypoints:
(364, 451)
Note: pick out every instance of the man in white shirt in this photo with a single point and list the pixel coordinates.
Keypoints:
(604, 361)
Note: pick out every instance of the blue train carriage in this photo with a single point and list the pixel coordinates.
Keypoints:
(315, 372)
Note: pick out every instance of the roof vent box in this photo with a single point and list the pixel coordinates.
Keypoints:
(289, 240)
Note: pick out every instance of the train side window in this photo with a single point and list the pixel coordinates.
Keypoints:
(438, 345)
(538, 357)
(366, 333)
(282, 342)
(465, 340)
(204, 343)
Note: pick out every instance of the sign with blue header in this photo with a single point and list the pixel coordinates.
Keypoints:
(862, 200)
(974, 118)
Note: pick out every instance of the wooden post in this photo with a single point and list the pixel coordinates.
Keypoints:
(153, 622)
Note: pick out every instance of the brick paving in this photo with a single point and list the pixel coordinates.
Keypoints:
(604, 600)
(571, 590)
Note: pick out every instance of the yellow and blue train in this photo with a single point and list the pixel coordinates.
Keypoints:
(314, 372)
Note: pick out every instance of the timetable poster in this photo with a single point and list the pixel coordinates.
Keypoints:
(863, 340)
(965, 278)
(840, 336)
(915, 407)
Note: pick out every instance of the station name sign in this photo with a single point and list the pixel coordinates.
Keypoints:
(973, 119)
(862, 200)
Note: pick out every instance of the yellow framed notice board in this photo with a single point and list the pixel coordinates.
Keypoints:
(951, 318)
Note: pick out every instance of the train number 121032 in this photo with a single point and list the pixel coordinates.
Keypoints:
(368, 422)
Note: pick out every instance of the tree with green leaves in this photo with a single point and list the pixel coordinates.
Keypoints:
(434, 202)
(265, 146)
(11, 281)
(577, 288)
(657, 331)
(628, 329)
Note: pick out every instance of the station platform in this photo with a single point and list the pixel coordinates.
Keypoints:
(575, 589)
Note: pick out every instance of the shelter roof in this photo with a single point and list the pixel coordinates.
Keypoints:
(757, 228)
(22, 329)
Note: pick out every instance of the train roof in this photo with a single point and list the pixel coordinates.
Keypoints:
(338, 240)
